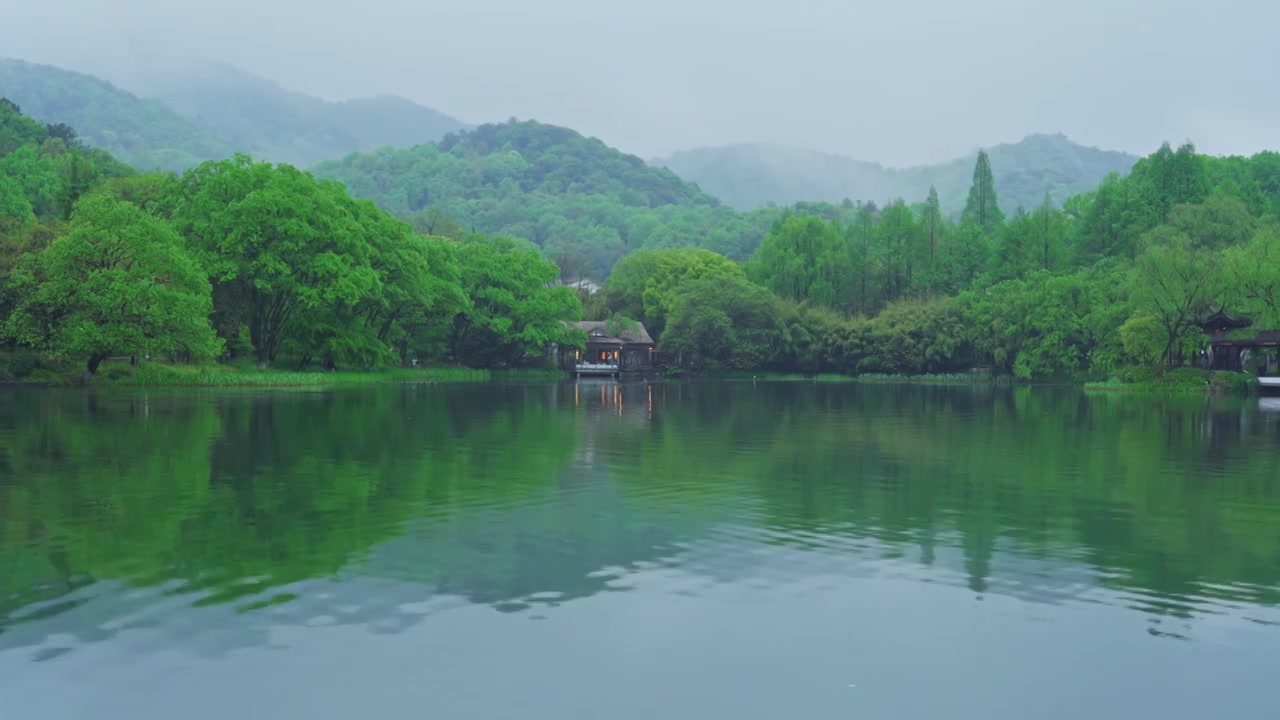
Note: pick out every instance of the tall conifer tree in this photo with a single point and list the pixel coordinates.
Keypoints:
(982, 208)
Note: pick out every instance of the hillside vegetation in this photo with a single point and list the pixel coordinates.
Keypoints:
(173, 118)
(237, 258)
(1117, 284)
(584, 203)
(240, 259)
(751, 176)
(144, 133)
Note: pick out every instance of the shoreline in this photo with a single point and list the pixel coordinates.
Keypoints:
(120, 374)
(146, 374)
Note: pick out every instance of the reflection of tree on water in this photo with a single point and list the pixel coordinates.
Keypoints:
(485, 493)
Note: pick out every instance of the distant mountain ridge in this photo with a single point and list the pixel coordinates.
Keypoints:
(255, 113)
(175, 116)
(141, 132)
(747, 176)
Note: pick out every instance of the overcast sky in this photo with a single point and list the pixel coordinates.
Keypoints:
(895, 82)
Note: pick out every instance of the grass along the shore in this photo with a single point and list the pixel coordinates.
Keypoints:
(1180, 380)
(952, 378)
(157, 374)
(120, 373)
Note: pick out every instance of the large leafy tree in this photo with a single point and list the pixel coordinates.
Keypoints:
(645, 284)
(806, 259)
(421, 288)
(513, 313)
(724, 321)
(278, 244)
(1174, 283)
(1253, 269)
(119, 281)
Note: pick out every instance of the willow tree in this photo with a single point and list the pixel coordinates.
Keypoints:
(806, 259)
(1174, 283)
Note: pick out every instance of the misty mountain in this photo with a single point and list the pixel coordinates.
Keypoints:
(584, 202)
(143, 133)
(271, 122)
(752, 175)
(174, 116)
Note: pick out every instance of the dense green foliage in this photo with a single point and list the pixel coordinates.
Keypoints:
(751, 176)
(119, 280)
(1125, 275)
(237, 258)
(583, 203)
(178, 116)
(142, 132)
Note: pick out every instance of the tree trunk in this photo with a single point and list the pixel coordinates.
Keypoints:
(92, 366)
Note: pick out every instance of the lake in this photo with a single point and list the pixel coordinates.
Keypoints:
(665, 550)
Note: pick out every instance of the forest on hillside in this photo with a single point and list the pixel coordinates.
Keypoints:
(241, 259)
(173, 117)
(1115, 283)
(143, 133)
(584, 203)
(238, 258)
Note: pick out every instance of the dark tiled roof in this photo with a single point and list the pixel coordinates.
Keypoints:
(640, 335)
(1247, 337)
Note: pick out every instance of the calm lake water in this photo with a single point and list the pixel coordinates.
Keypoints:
(677, 550)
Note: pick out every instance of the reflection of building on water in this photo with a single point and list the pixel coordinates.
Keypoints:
(609, 407)
(1269, 404)
(606, 396)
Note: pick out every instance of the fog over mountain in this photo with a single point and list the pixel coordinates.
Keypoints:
(891, 83)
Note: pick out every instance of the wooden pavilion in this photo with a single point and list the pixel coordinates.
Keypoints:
(610, 350)
(1236, 346)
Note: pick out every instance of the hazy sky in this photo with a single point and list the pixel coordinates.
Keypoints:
(895, 82)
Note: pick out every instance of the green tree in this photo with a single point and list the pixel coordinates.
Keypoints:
(982, 207)
(15, 209)
(897, 250)
(723, 321)
(935, 233)
(967, 257)
(1253, 273)
(1167, 178)
(805, 259)
(1051, 236)
(653, 277)
(916, 336)
(1219, 222)
(119, 281)
(1174, 284)
(277, 244)
(514, 314)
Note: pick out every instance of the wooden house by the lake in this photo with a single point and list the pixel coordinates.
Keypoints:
(1236, 346)
(609, 350)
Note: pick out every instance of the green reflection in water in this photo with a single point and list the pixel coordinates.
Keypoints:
(513, 495)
